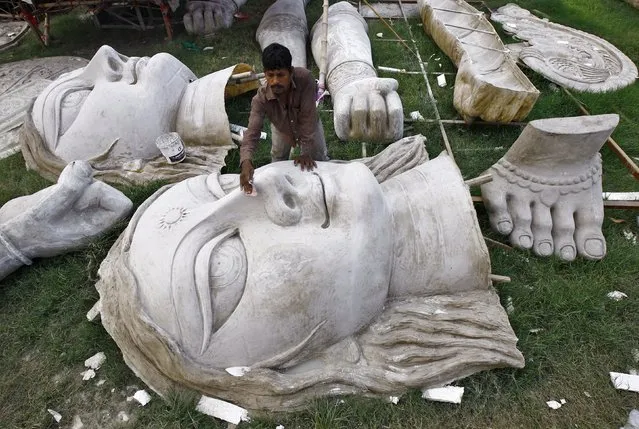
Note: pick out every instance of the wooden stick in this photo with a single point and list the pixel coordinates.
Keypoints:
(608, 204)
(623, 156)
(496, 243)
(321, 85)
(479, 180)
(391, 28)
(498, 279)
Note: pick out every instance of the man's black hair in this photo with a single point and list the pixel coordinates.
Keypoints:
(276, 56)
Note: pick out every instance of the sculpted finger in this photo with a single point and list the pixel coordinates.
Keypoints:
(520, 212)
(563, 231)
(377, 114)
(590, 242)
(103, 198)
(342, 117)
(209, 21)
(359, 116)
(395, 112)
(198, 21)
(386, 85)
(542, 229)
(188, 22)
(495, 202)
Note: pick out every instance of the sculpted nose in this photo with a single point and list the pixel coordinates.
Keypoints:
(282, 199)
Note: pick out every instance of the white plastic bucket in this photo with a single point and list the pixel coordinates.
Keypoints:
(172, 147)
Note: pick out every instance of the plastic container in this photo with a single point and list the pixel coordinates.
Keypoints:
(172, 147)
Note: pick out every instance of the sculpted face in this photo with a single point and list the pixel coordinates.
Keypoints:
(240, 280)
(129, 99)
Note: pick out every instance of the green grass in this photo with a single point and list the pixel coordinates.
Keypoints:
(44, 336)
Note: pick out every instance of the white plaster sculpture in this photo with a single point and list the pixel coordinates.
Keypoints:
(285, 23)
(111, 112)
(324, 283)
(58, 219)
(489, 85)
(566, 56)
(364, 106)
(205, 17)
(546, 190)
(20, 83)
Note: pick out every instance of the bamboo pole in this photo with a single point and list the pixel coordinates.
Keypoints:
(608, 204)
(321, 85)
(479, 180)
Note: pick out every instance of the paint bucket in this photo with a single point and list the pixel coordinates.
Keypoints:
(172, 147)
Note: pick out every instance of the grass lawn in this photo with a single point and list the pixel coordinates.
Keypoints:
(45, 337)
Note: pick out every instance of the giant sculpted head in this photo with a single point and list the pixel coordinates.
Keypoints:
(111, 112)
(323, 283)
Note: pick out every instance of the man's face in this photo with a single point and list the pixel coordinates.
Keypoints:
(279, 80)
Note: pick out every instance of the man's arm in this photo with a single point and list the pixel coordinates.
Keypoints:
(252, 133)
(307, 119)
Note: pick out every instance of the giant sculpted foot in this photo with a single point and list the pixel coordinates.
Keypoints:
(546, 191)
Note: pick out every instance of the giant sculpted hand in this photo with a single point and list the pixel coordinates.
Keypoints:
(205, 17)
(364, 106)
(60, 218)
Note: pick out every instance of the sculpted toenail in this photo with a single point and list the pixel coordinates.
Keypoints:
(525, 241)
(505, 227)
(568, 253)
(545, 248)
(594, 247)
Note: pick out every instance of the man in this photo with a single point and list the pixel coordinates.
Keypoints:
(288, 100)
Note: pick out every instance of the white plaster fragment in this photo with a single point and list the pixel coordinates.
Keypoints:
(380, 35)
(393, 399)
(510, 308)
(563, 401)
(588, 395)
(535, 330)
(100, 382)
(416, 116)
(95, 361)
(142, 397)
(616, 295)
(553, 404)
(441, 80)
(94, 313)
(222, 410)
(633, 420)
(56, 415)
(77, 422)
(88, 374)
(238, 371)
(123, 417)
(631, 237)
(452, 394)
(279, 427)
(625, 381)
(207, 48)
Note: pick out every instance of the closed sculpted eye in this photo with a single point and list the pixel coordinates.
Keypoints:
(70, 108)
(220, 277)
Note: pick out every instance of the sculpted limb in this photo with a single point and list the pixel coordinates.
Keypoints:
(206, 17)
(60, 218)
(546, 190)
(285, 23)
(365, 106)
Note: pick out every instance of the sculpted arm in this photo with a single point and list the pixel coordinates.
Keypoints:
(58, 219)
(365, 106)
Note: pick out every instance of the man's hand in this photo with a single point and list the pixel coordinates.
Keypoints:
(305, 162)
(246, 177)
